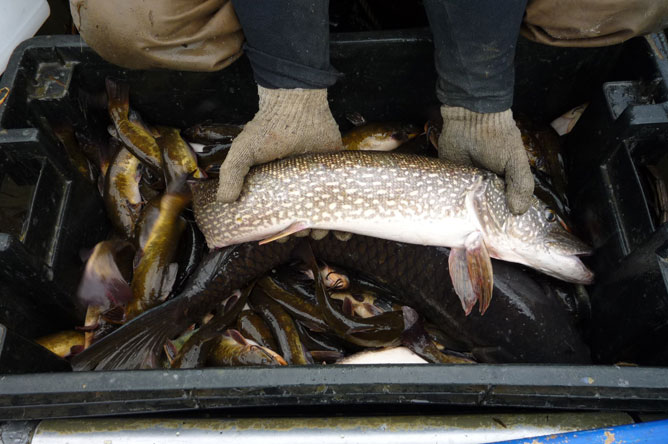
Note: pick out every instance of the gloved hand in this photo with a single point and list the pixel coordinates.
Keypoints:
(491, 141)
(289, 122)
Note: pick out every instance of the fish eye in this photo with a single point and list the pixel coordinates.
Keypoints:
(550, 216)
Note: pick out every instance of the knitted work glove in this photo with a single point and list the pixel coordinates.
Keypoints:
(491, 141)
(289, 122)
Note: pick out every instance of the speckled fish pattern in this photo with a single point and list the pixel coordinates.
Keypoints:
(374, 194)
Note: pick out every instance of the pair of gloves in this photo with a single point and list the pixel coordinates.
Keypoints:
(297, 121)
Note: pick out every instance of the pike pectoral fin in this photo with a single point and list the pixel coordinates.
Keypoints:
(459, 273)
(480, 270)
(292, 229)
(471, 273)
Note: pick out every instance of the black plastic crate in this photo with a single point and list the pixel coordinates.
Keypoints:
(387, 76)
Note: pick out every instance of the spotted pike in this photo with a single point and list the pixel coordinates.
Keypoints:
(404, 198)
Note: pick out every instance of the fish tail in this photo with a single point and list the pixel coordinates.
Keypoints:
(119, 97)
(138, 343)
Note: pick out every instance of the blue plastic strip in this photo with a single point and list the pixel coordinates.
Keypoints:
(646, 433)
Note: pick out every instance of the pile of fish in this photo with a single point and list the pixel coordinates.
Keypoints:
(349, 257)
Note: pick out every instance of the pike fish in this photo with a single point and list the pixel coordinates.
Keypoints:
(399, 197)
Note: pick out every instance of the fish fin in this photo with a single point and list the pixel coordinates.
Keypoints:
(355, 118)
(170, 351)
(347, 307)
(293, 228)
(237, 336)
(480, 270)
(102, 281)
(168, 279)
(118, 94)
(138, 343)
(461, 280)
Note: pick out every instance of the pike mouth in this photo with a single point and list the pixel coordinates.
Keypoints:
(564, 243)
(570, 268)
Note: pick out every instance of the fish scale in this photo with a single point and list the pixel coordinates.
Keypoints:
(346, 191)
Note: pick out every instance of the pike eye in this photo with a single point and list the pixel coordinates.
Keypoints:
(550, 216)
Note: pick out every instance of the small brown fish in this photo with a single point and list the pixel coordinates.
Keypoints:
(210, 157)
(178, 157)
(65, 134)
(64, 343)
(210, 133)
(233, 349)
(122, 198)
(133, 134)
(331, 277)
(155, 273)
(253, 327)
(363, 308)
(282, 327)
(378, 136)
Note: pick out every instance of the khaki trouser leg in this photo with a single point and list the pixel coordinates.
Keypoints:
(589, 23)
(190, 35)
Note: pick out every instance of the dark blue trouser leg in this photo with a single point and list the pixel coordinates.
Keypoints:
(287, 42)
(475, 44)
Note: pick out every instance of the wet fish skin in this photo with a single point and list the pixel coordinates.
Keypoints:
(178, 157)
(155, 273)
(233, 349)
(62, 343)
(282, 327)
(134, 135)
(381, 136)
(299, 308)
(122, 198)
(212, 156)
(380, 194)
(522, 325)
(213, 133)
(378, 331)
(250, 325)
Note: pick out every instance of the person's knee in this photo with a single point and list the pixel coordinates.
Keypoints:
(194, 35)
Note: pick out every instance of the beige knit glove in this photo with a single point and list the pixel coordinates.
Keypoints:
(289, 122)
(491, 141)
